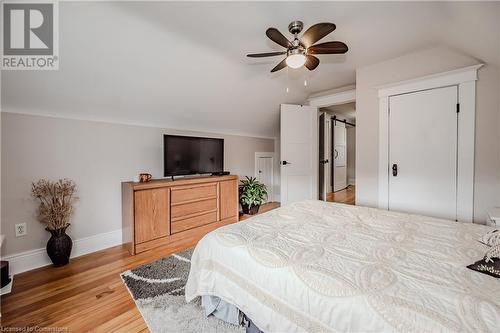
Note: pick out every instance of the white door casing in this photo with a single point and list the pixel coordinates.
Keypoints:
(299, 152)
(423, 152)
(465, 78)
(324, 155)
(264, 172)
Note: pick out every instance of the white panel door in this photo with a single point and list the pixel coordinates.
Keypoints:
(299, 153)
(423, 152)
(328, 155)
(265, 174)
(339, 156)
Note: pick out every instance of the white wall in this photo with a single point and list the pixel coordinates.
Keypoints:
(98, 156)
(417, 64)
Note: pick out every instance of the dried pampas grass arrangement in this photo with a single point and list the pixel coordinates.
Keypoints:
(56, 202)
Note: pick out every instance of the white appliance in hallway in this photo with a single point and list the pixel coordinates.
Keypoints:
(422, 162)
(264, 172)
(339, 156)
(299, 152)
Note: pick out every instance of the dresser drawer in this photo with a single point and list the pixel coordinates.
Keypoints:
(184, 211)
(183, 194)
(193, 222)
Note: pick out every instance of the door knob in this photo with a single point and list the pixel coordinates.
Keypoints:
(394, 170)
(285, 162)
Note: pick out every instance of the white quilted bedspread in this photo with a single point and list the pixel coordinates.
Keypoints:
(323, 267)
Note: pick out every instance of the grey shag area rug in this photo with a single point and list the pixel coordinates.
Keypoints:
(158, 291)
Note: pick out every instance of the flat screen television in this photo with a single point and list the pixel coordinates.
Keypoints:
(188, 155)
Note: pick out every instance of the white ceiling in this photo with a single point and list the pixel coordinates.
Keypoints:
(183, 65)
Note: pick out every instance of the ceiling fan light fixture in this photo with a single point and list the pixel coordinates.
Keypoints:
(295, 60)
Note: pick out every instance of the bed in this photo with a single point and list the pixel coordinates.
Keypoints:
(324, 267)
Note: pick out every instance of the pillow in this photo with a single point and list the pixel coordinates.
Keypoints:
(491, 268)
(490, 264)
(491, 238)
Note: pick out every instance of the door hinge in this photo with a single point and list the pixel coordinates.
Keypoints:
(458, 107)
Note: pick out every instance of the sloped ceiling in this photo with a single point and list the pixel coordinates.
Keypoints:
(183, 65)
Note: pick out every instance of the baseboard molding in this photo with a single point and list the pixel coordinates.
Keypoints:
(351, 181)
(28, 260)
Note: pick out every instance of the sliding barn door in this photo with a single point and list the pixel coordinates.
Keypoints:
(299, 153)
(423, 152)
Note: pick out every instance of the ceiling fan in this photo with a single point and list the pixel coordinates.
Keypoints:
(299, 52)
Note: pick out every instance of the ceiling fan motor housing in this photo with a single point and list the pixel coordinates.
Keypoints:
(295, 50)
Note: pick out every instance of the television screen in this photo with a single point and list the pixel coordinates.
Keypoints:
(187, 155)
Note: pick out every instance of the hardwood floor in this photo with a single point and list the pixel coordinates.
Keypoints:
(86, 295)
(346, 196)
(262, 209)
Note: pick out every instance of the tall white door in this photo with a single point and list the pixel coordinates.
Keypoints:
(339, 156)
(423, 152)
(328, 155)
(265, 174)
(299, 153)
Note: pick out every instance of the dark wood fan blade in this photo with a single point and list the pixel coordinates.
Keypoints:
(311, 62)
(315, 33)
(328, 48)
(268, 54)
(278, 37)
(279, 66)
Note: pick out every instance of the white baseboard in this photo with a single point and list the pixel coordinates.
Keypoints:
(28, 260)
(351, 181)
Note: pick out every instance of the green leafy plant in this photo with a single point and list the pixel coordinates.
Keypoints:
(252, 192)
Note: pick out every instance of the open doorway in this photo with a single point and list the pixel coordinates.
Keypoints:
(337, 151)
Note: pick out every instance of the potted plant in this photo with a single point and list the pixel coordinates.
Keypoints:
(252, 195)
(55, 210)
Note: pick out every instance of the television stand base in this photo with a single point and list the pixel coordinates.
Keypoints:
(222, 173)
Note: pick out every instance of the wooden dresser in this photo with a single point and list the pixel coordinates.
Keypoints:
(171, 213)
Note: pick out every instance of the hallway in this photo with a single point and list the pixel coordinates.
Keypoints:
(346, 196)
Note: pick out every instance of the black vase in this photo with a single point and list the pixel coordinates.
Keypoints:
(59, 247)
(252, 210)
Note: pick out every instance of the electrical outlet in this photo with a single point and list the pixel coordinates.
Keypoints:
(21, 229)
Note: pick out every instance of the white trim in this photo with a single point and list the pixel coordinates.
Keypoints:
(165, 126)
(449, 78)
(342, 97)
(28, 260)
(270, 155)
(465, 79)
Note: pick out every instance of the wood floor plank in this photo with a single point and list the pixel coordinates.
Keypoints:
(346, 196)
(87, 295)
